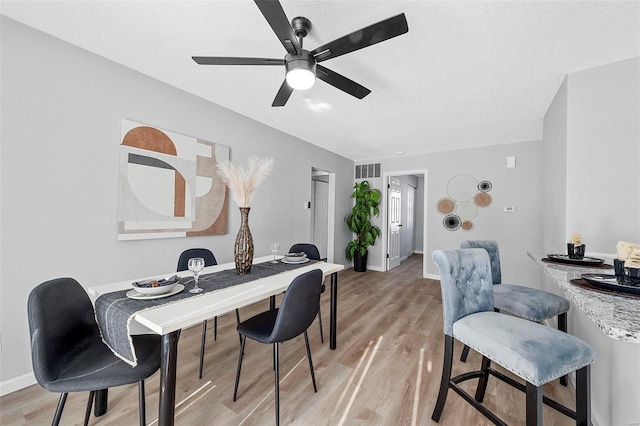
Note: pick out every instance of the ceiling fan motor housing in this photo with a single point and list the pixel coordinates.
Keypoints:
(302, 61)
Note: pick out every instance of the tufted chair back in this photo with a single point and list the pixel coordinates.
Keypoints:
(465, 282)
(491, 246)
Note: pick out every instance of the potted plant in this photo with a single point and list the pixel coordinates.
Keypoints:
(358, 221)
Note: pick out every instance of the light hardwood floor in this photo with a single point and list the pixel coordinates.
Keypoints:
(385, 371)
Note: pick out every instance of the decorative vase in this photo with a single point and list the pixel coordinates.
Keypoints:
(243, 248)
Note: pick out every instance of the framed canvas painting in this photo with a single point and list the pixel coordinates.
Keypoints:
(169, 186)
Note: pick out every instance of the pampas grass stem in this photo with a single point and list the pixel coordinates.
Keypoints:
(243, 183)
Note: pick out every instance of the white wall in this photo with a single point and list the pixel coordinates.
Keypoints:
(591, 137)
(61, 113)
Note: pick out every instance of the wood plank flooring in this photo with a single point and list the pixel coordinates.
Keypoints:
(385, 371)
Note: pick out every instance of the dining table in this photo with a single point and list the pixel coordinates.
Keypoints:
(171, 316)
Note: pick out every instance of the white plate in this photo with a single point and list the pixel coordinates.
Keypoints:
(132, 294)
(305, 260)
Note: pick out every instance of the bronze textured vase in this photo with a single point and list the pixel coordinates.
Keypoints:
(243, 248)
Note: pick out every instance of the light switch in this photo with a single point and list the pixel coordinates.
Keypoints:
(510, 209)
(511, 162)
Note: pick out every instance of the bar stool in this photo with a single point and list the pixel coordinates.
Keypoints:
(533, 352)
(524, 302)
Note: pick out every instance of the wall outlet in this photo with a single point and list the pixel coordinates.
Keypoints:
(510, 209)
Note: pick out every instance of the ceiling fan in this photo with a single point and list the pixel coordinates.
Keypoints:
(301, 65)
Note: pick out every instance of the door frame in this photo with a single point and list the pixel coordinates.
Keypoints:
(331, 205)
(385, 207)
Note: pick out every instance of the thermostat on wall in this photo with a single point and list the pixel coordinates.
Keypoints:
(510, 209)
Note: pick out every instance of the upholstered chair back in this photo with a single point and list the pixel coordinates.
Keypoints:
(299, 307)
(465, 282)
(491, 246)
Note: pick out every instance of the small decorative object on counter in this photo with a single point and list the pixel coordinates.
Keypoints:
(625, 250)
(632, 266)
(243, 184)
(575, 248)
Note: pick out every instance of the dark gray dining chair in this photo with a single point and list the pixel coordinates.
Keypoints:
(524, 302)
(296, 313)
(183, 265)
(67, 351)
(312, 253)
(533, 352)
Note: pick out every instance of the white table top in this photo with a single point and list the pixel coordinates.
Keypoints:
(191, 311)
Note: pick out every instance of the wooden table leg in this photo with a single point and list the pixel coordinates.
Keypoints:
(166, 410)
(333, 329)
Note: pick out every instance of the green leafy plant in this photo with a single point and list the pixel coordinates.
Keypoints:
(358, 221)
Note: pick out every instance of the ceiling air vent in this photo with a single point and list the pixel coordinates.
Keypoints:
(365, 171)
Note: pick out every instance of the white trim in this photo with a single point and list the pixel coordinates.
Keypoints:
(17, 383)
(433, 276)
(375, 268)
(384, 207)
(418, 252)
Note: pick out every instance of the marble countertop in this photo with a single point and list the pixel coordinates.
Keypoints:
(617, 316)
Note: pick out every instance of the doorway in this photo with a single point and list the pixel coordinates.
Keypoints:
(405, 231)
(321, 226)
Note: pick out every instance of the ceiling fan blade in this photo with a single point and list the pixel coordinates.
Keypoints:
(365, 37)
(341, 82)
(275, 16)
(283, 95)
(228, 60)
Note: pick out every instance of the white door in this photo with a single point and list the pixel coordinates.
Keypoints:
(408, 225)
(393, 219)
(320, 214)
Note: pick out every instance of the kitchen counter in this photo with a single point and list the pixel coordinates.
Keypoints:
(617, 316)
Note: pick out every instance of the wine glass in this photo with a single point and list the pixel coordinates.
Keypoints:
(274, 249)
(196, 264)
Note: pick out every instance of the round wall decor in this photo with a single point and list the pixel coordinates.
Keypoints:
(484, 186)
(462, 187)
(446, 205)
(482, 199)
(451, 222)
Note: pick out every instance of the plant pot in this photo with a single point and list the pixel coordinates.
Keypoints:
(360, 261)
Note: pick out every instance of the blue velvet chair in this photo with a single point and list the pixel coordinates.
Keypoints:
(183, 265)
(296, 313)
(524, 302)
(67, 351)
(535, 353)
(312, 253)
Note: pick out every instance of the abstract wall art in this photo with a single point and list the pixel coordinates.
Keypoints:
(464, 196)
(168, 185)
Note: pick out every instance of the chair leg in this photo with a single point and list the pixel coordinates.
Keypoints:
(562, 326)
(320, 323)
(202, 343)
(583, 396)
(242, 342)
(215, 329)
(482, 383)
(464, 354)
(87, 413)
(142, 406)
(534, 405)
(238, 322)
(277, 391)
(56, 417)
(444, 381)
(313, 376)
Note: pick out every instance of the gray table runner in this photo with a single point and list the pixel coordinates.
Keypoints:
(114, 311)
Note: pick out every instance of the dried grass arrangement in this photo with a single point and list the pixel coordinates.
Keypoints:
(243, 183)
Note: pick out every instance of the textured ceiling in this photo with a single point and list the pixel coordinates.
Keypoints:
(466, 74)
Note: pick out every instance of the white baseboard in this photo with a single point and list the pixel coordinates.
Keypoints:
(433, 276)
(418, 252)
(375, 268)
(17, 383)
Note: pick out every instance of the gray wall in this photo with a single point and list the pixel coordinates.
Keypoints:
(516, 233)
(61, 112)
(592, 139)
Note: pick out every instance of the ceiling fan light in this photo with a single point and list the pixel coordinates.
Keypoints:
(300, 79)
(301, 70)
